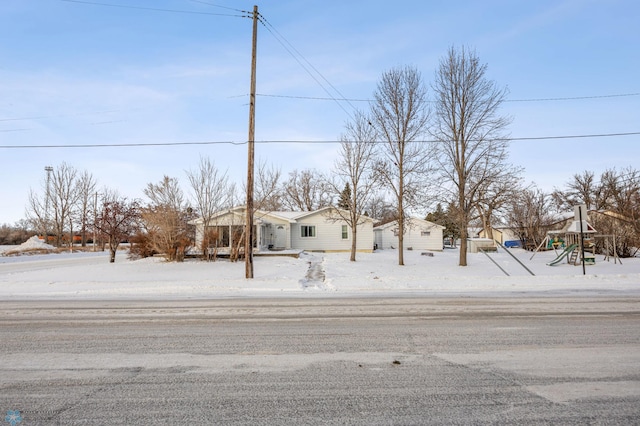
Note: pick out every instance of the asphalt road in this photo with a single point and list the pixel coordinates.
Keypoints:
(335, 361)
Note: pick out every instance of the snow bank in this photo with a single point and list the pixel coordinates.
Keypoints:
(33, 244)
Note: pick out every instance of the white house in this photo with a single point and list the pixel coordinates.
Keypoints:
(321, 230)
(325, 230)
(419, 234)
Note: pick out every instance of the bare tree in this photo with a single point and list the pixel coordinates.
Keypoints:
(210, 193)
(613, 202)
(497, 193)
(36, 212)
(582, 189)
(619, 201)
(380, 209)
(86, 188)
(306, 191)
(166, 219)
(234, 196)
(16, 234)
(400, 117)
(63, 196)
(118, 220)
(268, 196)
(65, 201)
(620, 192)
(353, 171)
(530, 215)
(267, 191)
(471, 145)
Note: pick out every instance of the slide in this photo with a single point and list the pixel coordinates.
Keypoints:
(564, 254)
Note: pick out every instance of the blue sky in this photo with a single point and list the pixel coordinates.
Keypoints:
(76, 73)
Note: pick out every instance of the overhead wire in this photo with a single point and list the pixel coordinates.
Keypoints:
(299, 141)
(291, 49)
(155, 9)
(574, 98)
(506, 100)
(43, 117)
(217, 5)
(325, 99)
(299, 58)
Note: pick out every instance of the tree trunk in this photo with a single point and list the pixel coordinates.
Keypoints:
(464, 223)
(353, 244)
(113, 248)
(463, 246)
(401, 240)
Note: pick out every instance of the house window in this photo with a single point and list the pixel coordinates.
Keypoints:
(345, 233)
(425, 233)
(307, 231)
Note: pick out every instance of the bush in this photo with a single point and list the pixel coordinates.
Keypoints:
(141, 247)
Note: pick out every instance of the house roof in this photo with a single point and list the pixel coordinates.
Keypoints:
(288, 216)
(574, 227)
(343, 213)
(258, 215)
(410, 222)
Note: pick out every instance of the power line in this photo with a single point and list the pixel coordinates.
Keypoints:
(601, 135)
(42, 117)
(291, 49)
(316, 98)
(574, 98)
(154, 9)
(217, 5)
(313, 98)
(620, 95)
(311, 142)
(121, 145)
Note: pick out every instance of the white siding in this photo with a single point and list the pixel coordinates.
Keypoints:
(329, 235)
(265, 233)
(415, 239)
(268, 236)
(419, 235)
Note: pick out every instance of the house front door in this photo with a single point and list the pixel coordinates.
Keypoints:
(281, 237)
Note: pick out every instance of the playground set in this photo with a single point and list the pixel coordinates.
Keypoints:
(578, 243)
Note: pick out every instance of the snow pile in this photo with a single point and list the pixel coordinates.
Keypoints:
(32, 245)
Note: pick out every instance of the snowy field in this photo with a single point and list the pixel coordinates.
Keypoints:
(91, 276)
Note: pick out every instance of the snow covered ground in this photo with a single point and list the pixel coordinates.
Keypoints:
(91, 276)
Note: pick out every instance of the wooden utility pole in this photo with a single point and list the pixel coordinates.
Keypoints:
(248, 242)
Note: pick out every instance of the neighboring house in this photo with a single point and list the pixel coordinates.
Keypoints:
(321, 230)
(419, 234)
